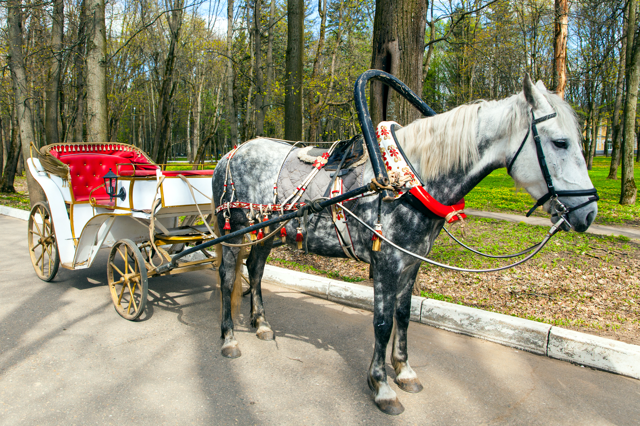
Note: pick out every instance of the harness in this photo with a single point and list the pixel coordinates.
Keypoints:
(552, 194)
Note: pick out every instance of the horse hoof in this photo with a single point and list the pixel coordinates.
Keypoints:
(392, 407)
(409, 385)
(231, 350)
(265, 333)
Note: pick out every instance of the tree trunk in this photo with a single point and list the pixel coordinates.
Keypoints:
(294, 57)
(628, 184)
(189, 143)
(163, 124)
(398, 48)
(231, 106)
(606, 139)
(96, 73)
(620, 91)
(248, 130)
(429, 55)
(13, 155)
(197, 114)
(79, 65)
(594, 137)
(270, 71)
(259, 100)
(53, 89)
(3, 125)
(21, 98)
(560, 46)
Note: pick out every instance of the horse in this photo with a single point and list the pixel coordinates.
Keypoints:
(452, 152)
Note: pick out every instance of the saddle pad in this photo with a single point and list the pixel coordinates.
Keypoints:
(295, 171)
(356, 154)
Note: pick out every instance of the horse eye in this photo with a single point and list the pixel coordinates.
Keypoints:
(561, 143)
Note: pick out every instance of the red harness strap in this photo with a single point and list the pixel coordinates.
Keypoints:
(438, 208)
(267, 207)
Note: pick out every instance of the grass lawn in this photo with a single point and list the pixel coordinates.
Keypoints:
(19, 199)
(498, 193)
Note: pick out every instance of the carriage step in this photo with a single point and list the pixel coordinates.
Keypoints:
(184, 230)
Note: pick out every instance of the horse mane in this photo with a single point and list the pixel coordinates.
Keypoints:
(447, 141)
(443, 142)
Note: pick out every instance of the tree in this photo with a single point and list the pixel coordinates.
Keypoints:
(96, 73)
(620, 89)
(293, 86)
(163, 123)
(398, 48)
(560, 46)
(53, 91)
(232, 117)
(628, 184)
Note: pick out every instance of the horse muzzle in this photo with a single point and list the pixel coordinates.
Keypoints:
(580, 212)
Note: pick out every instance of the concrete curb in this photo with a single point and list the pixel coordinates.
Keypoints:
(13, 212)
(543, 339)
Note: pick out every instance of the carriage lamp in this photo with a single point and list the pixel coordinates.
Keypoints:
(110, 184)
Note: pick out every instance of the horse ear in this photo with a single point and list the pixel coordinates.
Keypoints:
(532, 94)
(540, 85)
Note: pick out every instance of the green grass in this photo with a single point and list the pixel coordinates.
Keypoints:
(18, 199)
(497, 193)
(513, 237)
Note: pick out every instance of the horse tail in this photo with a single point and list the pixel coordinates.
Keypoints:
(236, 292)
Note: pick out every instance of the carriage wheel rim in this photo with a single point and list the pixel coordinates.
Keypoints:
(42, 244)
(127, 279)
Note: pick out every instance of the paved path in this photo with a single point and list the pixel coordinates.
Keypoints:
(543, 221)
(67, 358)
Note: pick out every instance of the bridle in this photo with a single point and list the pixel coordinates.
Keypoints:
(560, 209)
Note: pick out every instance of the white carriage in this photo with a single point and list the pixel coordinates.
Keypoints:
(113, 195)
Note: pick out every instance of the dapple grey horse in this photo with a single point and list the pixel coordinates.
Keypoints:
(452, 152)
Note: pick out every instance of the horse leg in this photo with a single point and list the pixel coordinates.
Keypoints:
(255, 265)
(384, 306)
(229, 286)
(406, 378)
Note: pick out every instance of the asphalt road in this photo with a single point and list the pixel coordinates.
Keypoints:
(67, 358)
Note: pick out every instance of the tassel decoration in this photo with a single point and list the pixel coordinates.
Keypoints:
(260, 234)
(299, 238)
(283, 234)
(266, 228)
(227, 226)
(377, 241)
(253, 234)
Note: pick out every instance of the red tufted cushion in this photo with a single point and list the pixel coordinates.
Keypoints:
(87, 172)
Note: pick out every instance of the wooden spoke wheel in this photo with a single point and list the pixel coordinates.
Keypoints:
(42, 242)
(128, 282)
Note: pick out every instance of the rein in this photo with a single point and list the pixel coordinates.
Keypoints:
(552, 231)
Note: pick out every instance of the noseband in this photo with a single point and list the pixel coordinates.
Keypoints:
(560, 209)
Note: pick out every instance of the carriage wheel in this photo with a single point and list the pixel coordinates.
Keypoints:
(127, 276)
(42, 242)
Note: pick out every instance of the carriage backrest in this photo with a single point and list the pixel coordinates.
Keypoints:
(88, 163)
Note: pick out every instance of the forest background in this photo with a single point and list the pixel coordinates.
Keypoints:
(192, 79)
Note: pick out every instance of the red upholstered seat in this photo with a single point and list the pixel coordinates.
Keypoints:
(87, 172)
(87, 167)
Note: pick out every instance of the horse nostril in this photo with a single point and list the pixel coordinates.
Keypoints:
(590, 217)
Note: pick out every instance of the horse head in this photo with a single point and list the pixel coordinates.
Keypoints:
(566, 189)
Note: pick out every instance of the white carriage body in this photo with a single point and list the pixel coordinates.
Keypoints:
(84, 227)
